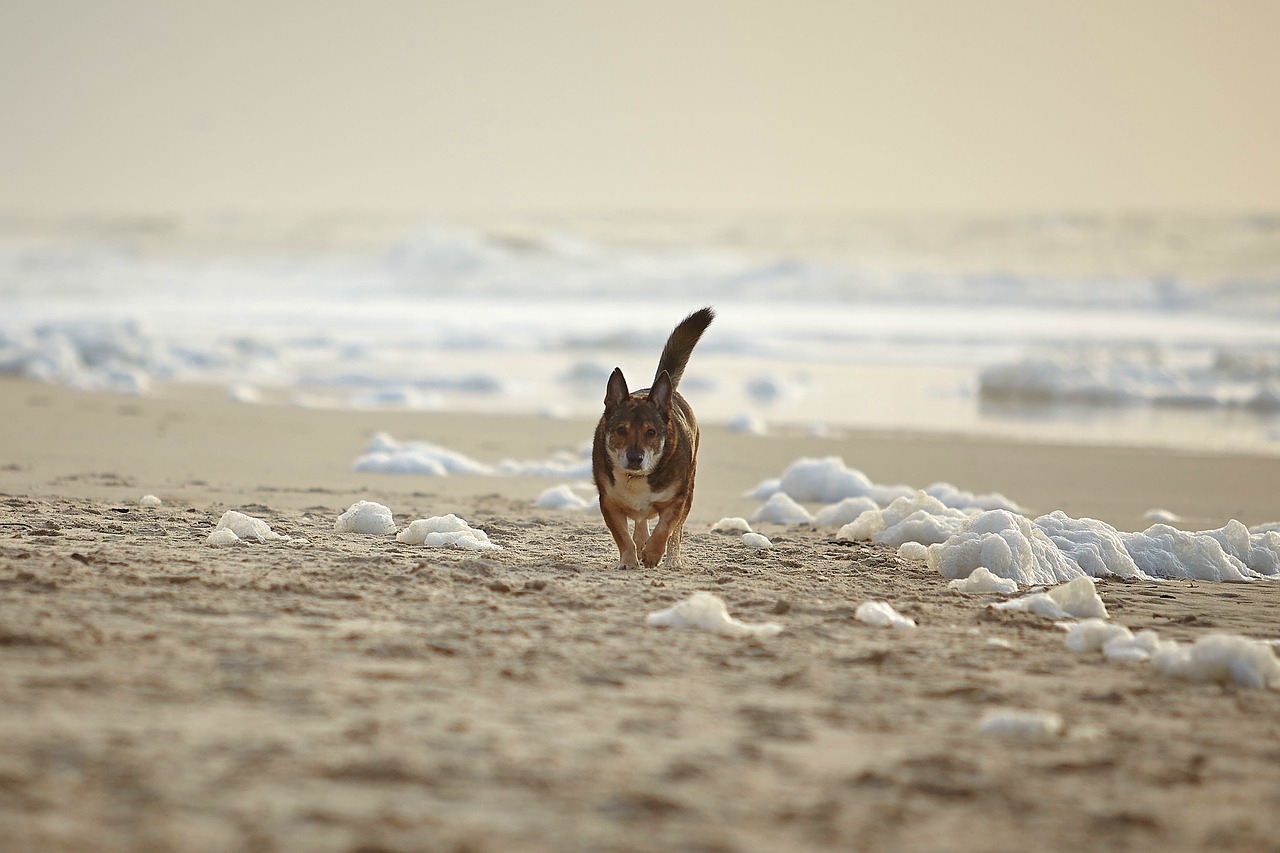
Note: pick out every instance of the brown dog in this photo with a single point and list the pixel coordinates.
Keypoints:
(645, 454)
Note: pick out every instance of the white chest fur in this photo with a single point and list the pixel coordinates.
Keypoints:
(634, 494)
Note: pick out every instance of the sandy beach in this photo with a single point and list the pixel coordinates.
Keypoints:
(350, 692)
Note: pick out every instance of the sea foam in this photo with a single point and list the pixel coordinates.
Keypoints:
(708, 612)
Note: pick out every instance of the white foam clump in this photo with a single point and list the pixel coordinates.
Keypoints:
(1055, 547)
(913, 551)
(386, 455)
(1076, 599)
(756, 540)
(366, 517)
(1162, 551)
(781, 508)
(444, 532)
(980, 581)
(1007, 545)
(1097, 548)
(1013, 722)
(563, 463)
(731, 525)
(748, 424)
(881, 614)
(1222, 658)
(150, 501)
(1258, 551)
(235, 527)
(709, 613)
(828, 480)
(844, 512)
(1135, 647)
(561, 497)
(916, 518)
(1093, 634)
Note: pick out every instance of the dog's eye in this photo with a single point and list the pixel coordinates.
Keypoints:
(621, 430)
(650, 432)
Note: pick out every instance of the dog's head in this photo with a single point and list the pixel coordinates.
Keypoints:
(635, 426)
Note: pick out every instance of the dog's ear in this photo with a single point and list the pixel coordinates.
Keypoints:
(617, 390)
(660, 393)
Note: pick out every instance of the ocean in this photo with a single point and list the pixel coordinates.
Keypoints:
(1121, 330)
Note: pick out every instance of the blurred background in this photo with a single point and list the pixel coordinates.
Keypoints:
(1051, 219)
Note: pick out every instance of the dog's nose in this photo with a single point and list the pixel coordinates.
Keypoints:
(634, 458)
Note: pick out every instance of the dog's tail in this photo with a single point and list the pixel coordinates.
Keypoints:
(675, 355)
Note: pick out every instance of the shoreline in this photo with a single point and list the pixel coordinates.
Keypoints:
(207, 448)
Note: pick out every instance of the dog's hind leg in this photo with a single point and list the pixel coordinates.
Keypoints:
(674, 558)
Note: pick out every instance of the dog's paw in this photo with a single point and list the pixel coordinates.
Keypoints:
(627, 561)
(650, 558)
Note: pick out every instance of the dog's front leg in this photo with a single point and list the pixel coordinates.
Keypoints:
(669, 517)
(616, 521)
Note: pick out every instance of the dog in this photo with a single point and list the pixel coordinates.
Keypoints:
(645, 454)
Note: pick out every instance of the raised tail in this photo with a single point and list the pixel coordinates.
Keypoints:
(675, 355)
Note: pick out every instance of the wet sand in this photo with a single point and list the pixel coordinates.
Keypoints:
(354, 693)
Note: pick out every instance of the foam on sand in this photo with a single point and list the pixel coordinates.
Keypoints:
(1162, 551)
(1259, 552)
(916, 551)
(844, 512)
(1017, 723)
(747, 424)
(780, 508)
(1007, 545)
(828, 480)
(916, 518)
(1096, 547)
(1093, 634)
(150, 501)
(756, 540)
(881, 614)
(1052, 548)
(731, 525)
(1077, 599)
(564, 463)
(1223, 658)
(447, 531)
(235, 527)
(561, 497)
(1220, 658)
(386, 455)
(708, 612)
(366, 517)
(982, 581)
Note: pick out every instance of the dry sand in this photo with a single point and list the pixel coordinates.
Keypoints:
(353, 693)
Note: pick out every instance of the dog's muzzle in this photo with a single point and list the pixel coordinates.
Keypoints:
(635, 460)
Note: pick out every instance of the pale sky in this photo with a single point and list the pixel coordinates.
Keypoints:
(159, 106)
